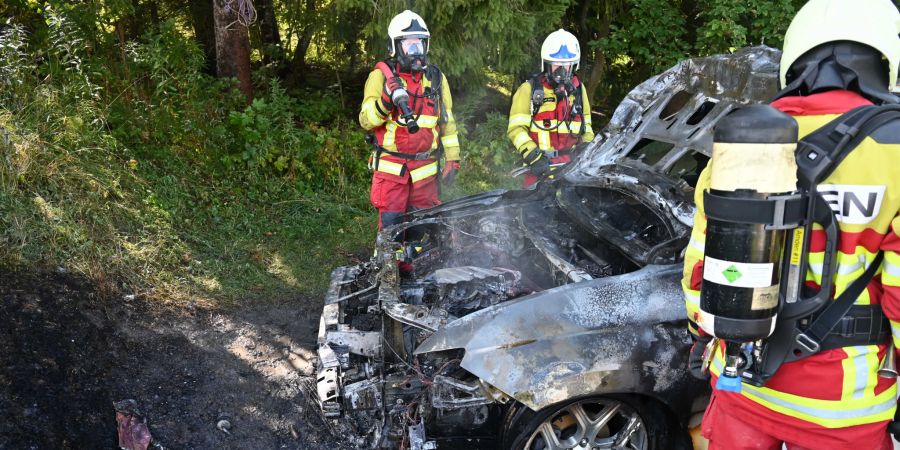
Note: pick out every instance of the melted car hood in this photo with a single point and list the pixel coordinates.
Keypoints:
(615, 334)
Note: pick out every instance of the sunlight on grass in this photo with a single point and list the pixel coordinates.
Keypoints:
(50, 213)
(209, 283)
(280, 270)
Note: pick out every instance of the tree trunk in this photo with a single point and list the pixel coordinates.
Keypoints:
(353, 51)
(690, 12)
(598, 67)
(584, 30)
(298, 63)
(154, 12)
(269, 36)
(205, 32)
(136, 23)
(232, 48)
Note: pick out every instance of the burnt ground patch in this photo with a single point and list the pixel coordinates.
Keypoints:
(66, 355)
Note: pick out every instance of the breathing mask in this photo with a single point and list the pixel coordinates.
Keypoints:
(412, 53)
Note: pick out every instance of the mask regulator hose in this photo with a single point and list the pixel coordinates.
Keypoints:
(400, 97)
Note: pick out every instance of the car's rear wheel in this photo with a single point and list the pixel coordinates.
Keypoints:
(590, 423)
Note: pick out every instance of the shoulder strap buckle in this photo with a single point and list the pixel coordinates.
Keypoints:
(809, 344)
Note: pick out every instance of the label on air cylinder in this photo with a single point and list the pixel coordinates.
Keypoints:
(764, 298)
(738, 274)
(797, 246)
(761, 167)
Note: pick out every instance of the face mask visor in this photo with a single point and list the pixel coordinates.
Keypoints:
(414, 46)
(560, 72)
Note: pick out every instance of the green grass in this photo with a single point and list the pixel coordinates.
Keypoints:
(175, 226)
(152, 178)
(172, 229)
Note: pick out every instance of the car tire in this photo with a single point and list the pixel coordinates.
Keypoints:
(643, 422)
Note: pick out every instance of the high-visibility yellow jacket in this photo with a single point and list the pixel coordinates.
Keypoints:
(835, 393)
(394, 136)
(552, 127)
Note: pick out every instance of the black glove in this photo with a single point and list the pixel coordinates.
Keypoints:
(894, 425)
(540, 167)
(538, 163)
(695, 360)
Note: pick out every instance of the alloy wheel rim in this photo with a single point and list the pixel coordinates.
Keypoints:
(593, 425)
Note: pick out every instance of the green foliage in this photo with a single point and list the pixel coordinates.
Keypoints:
(111, 166)
(649, 38)
(469, 36)
(266, 136)
(488, 160)
(730, 24)
(14, 63)
(630, 40)
(162, 99)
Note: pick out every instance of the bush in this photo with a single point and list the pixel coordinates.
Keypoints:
(279, 134)
(488, 157)
(149, 175)
(266, 137)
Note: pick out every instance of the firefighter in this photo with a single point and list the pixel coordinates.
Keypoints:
(550, 112)
(838, 55)
(407, 107)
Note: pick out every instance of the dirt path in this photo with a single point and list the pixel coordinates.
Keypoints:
(65, 356)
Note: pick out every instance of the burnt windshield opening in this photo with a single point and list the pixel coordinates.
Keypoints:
(689, 166)
(508, 252)
(622, 212)
(650, 151)
(674, 105)
(701, 112)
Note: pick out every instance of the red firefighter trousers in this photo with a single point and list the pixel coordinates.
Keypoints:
(393, 196)
(728, 431)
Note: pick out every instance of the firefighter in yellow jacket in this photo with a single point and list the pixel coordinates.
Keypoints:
(838, 55)
(551, 113)
(407, 107)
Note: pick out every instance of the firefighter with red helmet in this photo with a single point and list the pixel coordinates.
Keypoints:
(838, 56)
(551, 113)
(408, 109)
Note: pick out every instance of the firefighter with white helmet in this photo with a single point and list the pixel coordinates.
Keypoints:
(408, 110)
(550, 112)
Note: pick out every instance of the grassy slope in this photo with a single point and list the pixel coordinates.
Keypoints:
(152, 178)
(165, 225)
(169, 227)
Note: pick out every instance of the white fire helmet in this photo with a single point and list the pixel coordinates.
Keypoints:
(408, 25)
(560, 56)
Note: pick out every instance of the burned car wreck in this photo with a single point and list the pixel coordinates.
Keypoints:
(547, 318)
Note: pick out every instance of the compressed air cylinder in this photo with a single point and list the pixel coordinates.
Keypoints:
(752, 158)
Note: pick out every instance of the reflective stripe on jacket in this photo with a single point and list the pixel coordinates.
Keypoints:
(390, 134)
(397, 169)
(835, 388)
(526, 135)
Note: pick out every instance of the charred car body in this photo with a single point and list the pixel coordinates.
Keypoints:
(546, 318)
